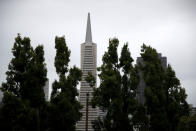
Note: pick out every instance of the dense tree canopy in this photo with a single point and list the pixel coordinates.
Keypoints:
(117, 90)
(23, 91)
(187, 123)
(65, 108)
(165, 98)
(24, 107)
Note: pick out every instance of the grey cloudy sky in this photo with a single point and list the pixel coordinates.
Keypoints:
(167, 25)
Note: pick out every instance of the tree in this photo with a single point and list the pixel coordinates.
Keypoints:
(165, 98)
(140, 119)
(90, 79)
(187, 123)
(64, 110)
(18, 67)
(154, 74)
(23, 91)
(176, 99)
(17, 115)
(116, 93)
(36, 79)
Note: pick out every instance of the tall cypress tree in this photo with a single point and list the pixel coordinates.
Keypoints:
(18, 67)
(177, 105)
(64, 105)
(23, 91)
(116, 93)
(165, 98)
(154, 74)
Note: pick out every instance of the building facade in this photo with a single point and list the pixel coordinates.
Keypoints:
(88, 64)
(192, 110)
(1, 97)
(46, 90)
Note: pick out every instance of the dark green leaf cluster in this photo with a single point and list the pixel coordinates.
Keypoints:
(23, 99)
(117, 90)
(17, 115)
(90, 79)
(24, 107)
(64, 105)
(62, 56)
(187, 123)
(165, 98)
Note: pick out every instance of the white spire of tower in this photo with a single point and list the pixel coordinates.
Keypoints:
(88, 30)
(88, 64)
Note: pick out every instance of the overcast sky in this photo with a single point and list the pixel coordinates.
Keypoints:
(167, 25)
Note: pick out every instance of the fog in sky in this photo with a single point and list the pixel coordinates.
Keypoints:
(167, 25)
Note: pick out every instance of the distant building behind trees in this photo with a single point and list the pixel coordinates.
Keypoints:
(46, 90)
(141, 87)
(192, 110)
(1, 96)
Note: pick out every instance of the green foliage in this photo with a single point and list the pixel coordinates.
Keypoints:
(17, 115)
(140, 120)
(165, 98)
(116, 93)
(36, 79)
(25, 109)
(153, 74)
(176, 99)
(17, 69)
(90, 79)
(187, 123)
(23, 92)
(62, 56)
(64, 111)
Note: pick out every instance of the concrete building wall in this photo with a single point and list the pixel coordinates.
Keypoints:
(192, 110)
(46, 90)
(88, 64)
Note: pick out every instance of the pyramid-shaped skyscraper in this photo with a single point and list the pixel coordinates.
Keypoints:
(88, 64)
